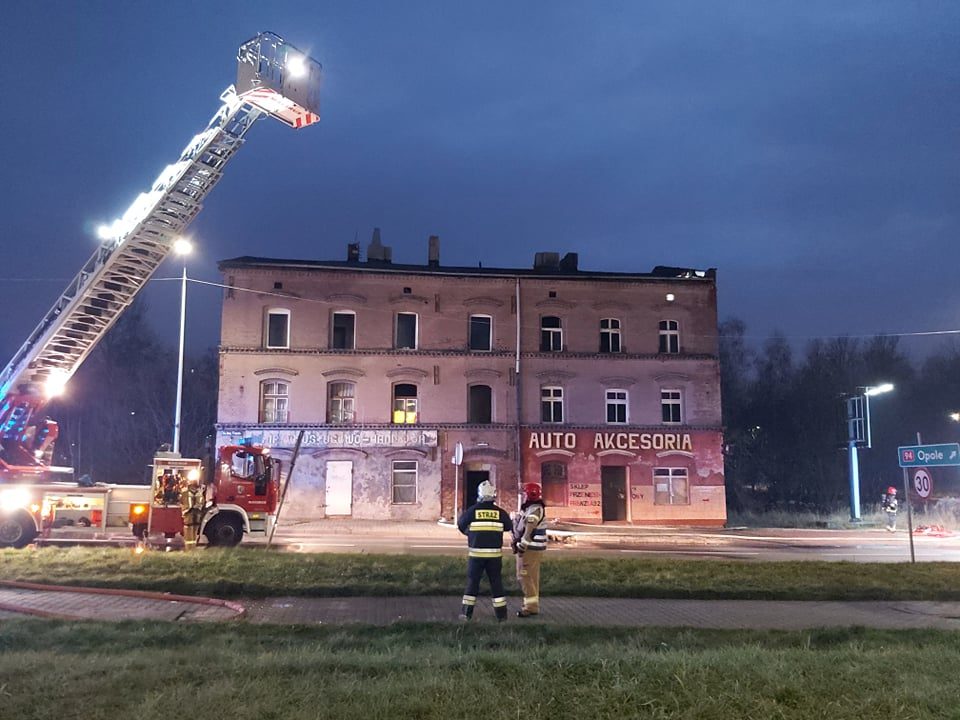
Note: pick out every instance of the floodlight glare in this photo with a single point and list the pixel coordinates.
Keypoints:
(296, 66)
(885, 388)
(13, 499)
(55, 383)
(182, 246)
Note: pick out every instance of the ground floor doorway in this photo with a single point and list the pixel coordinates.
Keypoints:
(339, 487)
(613, 481)
(471, 482)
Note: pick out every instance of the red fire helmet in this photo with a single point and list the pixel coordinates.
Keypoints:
(891, 490)
(532, 491)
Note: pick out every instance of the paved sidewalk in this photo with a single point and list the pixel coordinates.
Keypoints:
(112, 606)
(718, 614)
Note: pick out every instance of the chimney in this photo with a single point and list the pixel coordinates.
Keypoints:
(353, 252)
(546, 261)
(433, 252)
(376, 251)
(569, 262)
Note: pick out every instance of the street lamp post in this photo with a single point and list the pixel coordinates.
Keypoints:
(181, 247)
(858, 432)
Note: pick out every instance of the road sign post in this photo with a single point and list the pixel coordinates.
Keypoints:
(929, 455)
(921, 456)
(457, 462)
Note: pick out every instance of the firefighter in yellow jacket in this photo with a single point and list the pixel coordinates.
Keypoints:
(192, 501)
(529, 542)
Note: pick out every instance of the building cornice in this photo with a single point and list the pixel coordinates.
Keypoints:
(562, 356)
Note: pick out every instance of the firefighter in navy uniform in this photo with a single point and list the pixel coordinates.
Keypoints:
(484, 525)
(529, 542)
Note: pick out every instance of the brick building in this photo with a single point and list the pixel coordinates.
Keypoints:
(604, 386)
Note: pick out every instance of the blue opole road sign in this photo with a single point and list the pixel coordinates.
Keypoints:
(928, 455)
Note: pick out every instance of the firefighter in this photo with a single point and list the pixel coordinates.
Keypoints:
(890, 507)
(484, 524)
(529, 542)
(191, 506)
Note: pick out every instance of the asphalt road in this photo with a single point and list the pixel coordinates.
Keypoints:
(860, 545)
(868, 545)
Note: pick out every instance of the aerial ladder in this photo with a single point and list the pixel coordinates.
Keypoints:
(273, 78)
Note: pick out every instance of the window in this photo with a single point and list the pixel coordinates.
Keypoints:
(609, 335)
(479, 404)
(407, 331)
(617, 407)
(404, 482)
(342, 335)
(670, 406)
(278, 329)
(669, 337)
(670, 486)
(404, 404)
(340, 399)
(481, 327)
(274, 399)
(553, 481)
(551, 334)
(551, 404)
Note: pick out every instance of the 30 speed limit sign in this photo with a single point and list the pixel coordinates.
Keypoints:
(922, 483)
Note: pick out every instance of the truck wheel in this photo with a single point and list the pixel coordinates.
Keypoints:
(224, 531)
(16, 530)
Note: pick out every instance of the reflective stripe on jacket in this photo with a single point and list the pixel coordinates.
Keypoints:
(484, 525)
(531, 530)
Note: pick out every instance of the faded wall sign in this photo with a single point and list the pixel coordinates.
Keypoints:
(345, 438)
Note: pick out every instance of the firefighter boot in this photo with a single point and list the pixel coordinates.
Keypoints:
(466, 613)
(501, 613)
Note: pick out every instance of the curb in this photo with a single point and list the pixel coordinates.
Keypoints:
(239, 609)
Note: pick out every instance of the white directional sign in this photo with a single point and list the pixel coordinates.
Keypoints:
(922, 483)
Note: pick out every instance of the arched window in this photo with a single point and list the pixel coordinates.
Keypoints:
(405, 404)
(340, 402)
(276, 329)
(274, 401)
(481, 332)
(479, 404)
(617, 407)
(551, 334)
(343, 330)
(551, 404)
(610, 335)
(669, 337)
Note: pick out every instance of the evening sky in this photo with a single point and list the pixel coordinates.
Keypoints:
(809, 151)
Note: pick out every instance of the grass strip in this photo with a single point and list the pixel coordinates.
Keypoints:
(61, 670)
(255, 573)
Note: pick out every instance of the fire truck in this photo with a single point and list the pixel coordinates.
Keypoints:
(38, 498)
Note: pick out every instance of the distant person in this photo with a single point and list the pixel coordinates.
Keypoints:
(529, 542)
(484, 525)
(890, 507)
